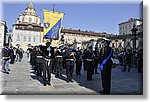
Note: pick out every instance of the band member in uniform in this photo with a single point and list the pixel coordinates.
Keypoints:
(58, 61)
(84, 59)
(96, 52)
(39, 61)
(48, 53)
(78, 56)
(5, 53)
(90, 63)
(64, 57)
(70, 60)
(106, 65)
(32, 58)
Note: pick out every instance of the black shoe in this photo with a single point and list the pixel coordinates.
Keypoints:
(7, 72)
(49, 84)
(44, 84)
(71, 80)
(91, 79)
(67, 80)
(140, 72)
(103, 92)
(57, 74)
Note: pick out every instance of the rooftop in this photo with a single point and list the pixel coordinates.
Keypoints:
(131, 20)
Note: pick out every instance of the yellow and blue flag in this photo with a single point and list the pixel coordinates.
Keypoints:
(52, 24)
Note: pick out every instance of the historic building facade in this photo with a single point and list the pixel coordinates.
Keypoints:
(126, 26)
(3, 33)
(126, 38)
(28, 29)
(82, 39)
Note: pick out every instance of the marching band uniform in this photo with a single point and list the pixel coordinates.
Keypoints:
(39, 61)
(58, 62)
(47, 64)
(70, 60)
(96, 60)
(90, 63)
(78, 62)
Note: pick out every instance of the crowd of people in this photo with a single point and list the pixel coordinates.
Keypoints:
(130, 58)
(55, 59)
(47, 59)
(10, 55)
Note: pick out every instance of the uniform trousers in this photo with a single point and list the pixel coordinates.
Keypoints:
(90, 69)
(106, 79)
(47, 69)
(69, 69)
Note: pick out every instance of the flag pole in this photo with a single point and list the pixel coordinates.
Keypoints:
(53, 8)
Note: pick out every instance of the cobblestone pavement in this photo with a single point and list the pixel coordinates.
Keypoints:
(21, 80)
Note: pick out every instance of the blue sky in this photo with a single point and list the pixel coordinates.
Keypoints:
(99, 17)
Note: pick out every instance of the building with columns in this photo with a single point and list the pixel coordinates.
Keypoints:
(28, 29)
(82, 38)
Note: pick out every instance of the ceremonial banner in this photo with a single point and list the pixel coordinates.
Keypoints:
(52, 24)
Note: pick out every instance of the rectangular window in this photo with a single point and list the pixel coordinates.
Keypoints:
(24, 38)
(120, 27)
(22, 19)
(34, 39)
(18, 38)
(29, 39)
(40, 39)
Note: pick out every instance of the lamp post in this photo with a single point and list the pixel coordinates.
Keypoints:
(124, 41)
(124, 49)
(62, 39)
(134, 31)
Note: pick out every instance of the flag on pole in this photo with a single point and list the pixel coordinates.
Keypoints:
(52, 24)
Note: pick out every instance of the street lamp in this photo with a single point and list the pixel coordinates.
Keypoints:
(134, 31)
(124, 52)
(124, 41)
